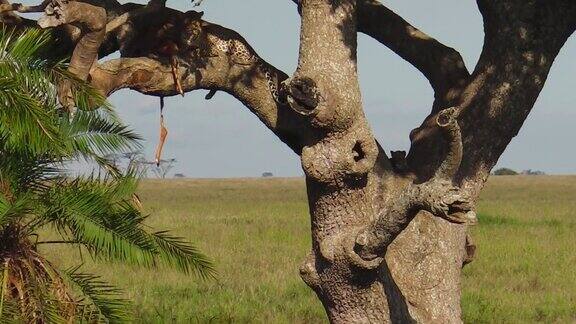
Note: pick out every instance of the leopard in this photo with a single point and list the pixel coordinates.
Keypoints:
(200, 42)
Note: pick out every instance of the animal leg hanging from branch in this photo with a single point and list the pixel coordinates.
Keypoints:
(163, 134)
(177, 83)
(170, 50)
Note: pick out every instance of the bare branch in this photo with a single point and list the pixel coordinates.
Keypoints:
(441, 65)
(118, 21)
(447, 121)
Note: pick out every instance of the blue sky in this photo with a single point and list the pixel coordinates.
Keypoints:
(221, 138)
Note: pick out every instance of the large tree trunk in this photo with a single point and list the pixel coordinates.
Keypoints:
(388, 235)
(351, 185)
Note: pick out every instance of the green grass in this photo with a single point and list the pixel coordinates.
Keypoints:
(524, 270)
(257, 232)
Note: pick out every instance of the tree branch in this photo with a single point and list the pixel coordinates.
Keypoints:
(447, 121)
(438, 196)
(441, 65)
(214, 59)
(8, 17)
(91, 21)
(522, 39)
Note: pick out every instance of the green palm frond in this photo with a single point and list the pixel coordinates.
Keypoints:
(102, 216)
(100, 212)
(96, 133)
(85, 96)
(180, 254)
(25, 174)
(25, 122)
(108, 227)
(27, 46)
(27, 97)
(10, 312)
(11, 210)
(99, 301)
(97, 216)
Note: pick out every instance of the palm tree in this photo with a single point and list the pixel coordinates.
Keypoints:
(98, 212)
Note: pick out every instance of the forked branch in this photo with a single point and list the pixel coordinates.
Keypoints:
(438, 196)
(442, 65)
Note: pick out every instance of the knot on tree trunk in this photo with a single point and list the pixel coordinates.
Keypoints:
(337, 248)
(302, 95)
(356, 254)
(340, 157)
(308, 271)
(324, 108)
(442, 198)
(439, 197)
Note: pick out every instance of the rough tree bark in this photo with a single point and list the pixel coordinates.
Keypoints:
(389, 235)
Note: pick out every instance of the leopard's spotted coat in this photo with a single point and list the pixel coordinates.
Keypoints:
(241, 54)
(195, 34)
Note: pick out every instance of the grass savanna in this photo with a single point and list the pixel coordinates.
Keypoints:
(41, 206)
(257, 231)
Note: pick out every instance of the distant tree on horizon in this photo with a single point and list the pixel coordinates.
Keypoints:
(162, 168)
(533, 172)
(505, 171)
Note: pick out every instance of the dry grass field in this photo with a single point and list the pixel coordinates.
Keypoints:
(257, 232)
